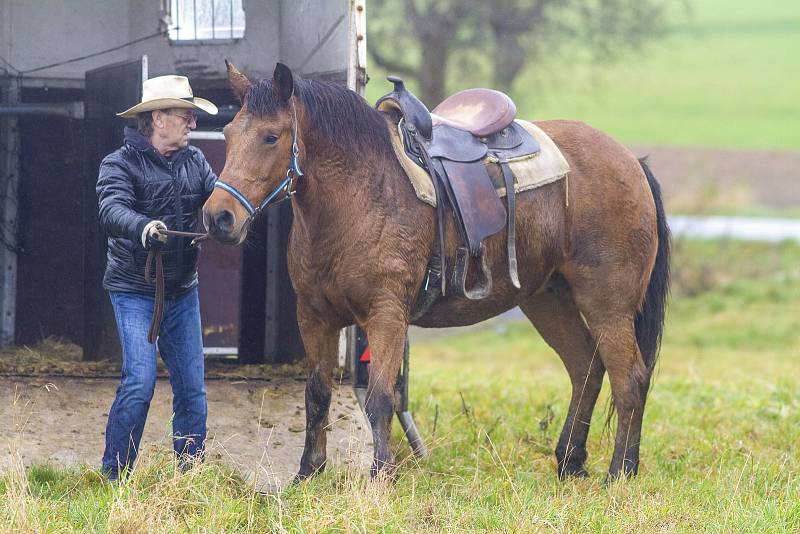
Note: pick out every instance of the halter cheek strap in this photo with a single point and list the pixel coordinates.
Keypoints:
(286, 186)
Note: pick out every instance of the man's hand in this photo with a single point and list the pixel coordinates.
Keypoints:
(155, 232)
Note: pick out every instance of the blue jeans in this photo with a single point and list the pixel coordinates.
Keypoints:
(180, 343)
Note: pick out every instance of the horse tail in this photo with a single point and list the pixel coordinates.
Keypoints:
(649, 321)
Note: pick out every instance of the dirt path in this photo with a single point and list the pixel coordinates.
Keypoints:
(701, 180)
(255, 425)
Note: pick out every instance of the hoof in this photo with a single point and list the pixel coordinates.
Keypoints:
(383, 471)
(572, 470)
(613, 477)
(307, 472)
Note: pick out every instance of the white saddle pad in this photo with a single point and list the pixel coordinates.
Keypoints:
(546, 166)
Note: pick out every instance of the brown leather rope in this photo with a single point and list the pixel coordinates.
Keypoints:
(155, 256)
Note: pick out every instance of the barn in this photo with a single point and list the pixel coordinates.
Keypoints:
(59, 96)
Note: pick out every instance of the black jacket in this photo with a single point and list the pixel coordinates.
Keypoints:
(138, 185)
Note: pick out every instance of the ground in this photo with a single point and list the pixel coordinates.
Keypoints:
(720, 450)
(257, 426)
(724, 181)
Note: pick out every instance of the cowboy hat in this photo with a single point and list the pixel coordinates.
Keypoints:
(166, 92)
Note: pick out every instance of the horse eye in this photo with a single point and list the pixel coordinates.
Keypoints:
(271, 139)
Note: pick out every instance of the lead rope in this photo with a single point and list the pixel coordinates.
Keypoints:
(155, 256)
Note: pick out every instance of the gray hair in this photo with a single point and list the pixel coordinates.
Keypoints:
(145, 123)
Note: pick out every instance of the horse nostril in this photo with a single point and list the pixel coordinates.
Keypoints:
(224, 220)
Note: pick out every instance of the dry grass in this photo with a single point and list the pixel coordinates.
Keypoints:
(57, 357)
(19, 500)
(720, 452)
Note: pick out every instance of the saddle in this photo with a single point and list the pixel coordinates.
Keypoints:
(451, 144)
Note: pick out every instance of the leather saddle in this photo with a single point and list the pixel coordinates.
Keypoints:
(451, 144)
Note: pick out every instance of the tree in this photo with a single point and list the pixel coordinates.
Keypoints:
(421, 39)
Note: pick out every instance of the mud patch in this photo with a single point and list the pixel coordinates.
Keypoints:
(255, 425)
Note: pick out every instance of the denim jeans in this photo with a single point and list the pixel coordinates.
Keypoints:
(180, 343)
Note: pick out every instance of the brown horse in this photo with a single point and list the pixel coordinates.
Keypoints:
(593, 255)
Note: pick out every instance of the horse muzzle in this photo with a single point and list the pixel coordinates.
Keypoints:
(223, 221)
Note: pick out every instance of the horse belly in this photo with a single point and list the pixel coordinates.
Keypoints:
(449, 312)
(540, 249)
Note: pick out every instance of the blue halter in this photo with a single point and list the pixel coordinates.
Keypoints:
(286, 186)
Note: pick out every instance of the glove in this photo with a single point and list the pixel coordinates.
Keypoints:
(155, 232)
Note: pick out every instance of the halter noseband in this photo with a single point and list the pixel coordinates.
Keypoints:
(287, 185)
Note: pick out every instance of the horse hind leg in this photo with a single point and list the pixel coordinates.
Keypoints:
(608, 301)
(556, 317)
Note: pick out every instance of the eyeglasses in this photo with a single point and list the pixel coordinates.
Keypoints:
(190, 118)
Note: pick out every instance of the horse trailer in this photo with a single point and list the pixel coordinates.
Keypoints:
(65, 76)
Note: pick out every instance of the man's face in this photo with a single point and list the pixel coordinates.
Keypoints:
(173, 127)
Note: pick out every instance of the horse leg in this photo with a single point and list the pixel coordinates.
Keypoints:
(387, 337)
(556, 317)
(608, 301)
(321, 344)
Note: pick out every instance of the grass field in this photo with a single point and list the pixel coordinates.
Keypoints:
(727, 76)
(720, 453)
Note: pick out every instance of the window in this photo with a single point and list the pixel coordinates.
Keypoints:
(201, 20)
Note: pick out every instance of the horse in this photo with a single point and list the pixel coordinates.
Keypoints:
(593, 254)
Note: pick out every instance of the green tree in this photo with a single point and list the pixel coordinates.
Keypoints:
(423, 39)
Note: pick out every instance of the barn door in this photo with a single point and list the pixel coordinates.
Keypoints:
(109, 90)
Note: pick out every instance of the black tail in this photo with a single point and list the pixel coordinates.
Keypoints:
(649, 322)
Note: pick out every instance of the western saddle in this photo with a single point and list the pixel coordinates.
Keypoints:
(451, 144)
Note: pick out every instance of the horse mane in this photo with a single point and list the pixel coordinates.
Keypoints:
(336, 113)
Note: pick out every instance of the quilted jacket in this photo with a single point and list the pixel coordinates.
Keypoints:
(137, 185)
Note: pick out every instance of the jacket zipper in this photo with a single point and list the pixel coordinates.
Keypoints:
(179, 215)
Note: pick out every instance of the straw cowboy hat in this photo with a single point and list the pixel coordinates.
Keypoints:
(166, 92)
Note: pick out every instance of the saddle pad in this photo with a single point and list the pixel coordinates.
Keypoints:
(546, 166)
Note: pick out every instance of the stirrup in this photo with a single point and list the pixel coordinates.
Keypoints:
(483, 285)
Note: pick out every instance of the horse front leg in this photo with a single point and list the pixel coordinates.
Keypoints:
(321, 342)
(386, 331)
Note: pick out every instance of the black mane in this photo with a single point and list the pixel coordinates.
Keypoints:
(335, 112)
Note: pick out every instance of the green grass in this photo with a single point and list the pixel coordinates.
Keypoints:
(727, 76)
(720, 452)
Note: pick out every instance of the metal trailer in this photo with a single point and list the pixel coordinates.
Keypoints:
(53, 254)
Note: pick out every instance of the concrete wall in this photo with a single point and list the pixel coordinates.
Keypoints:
(318, 46)
(41, 32)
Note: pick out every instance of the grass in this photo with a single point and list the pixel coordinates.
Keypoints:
(727, 76)
(720, 452)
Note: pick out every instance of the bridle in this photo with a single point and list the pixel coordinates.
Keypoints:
(287, 186)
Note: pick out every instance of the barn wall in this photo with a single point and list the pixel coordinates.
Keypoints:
(37, 33)
(49, 263)
(33, 34)
(311, 36)
(318, 48)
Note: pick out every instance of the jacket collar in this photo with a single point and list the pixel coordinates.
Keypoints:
(135, 139)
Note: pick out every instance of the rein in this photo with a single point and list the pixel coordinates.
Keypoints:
(155, 256)
(287, 186)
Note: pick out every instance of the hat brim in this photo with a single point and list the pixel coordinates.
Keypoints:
(169, 103)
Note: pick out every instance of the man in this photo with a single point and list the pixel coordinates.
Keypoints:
(155, 182)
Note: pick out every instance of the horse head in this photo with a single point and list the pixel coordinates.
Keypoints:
(261, 160)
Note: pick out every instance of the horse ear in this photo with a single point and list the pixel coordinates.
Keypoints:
(239, 82)
(283, 81)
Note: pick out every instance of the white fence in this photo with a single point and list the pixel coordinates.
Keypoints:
(748, 228)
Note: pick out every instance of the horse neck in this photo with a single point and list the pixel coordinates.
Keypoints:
(339, 185)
